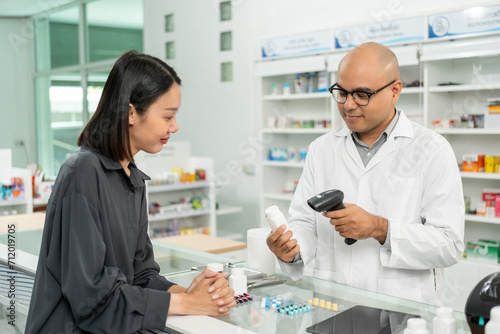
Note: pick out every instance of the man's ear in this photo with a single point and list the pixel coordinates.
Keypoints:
(132, 114)
(396, 90)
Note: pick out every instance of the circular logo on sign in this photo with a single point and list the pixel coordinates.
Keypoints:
(269, 48)
(344, 38)
(440, 26)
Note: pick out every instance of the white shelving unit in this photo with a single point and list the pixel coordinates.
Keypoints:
(178, 154)
(480, 176)
(279, 175)
(228, 210)
(178, 186)
(468, 63)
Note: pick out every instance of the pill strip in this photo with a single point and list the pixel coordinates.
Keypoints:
(324, 304)
(244, 298)
(271, 303)
(294, 309)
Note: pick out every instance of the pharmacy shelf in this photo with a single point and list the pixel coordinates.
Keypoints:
(40, 202)
(485, 176)
(175, 215)
(412, 90)
(475, 264)
(482, 219)
(463, 88)
(304, 96)
(178, 186)
(459, 131)
(277, 196)
(13, 202)
(296, 131)
(230, 235)
(228, 209)
(291, 164)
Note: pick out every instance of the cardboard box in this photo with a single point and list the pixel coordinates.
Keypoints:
(489, 194)
(497, 206)
(492, 117)
(470, 163)
(483, 251)
(323, 82)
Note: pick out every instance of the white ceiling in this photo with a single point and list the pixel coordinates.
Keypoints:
(116, 13)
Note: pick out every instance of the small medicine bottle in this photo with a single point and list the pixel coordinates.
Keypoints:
(443, 322)
(286, 88)
(493, 326)
(238, 281)
(217, 267)
(416, 326)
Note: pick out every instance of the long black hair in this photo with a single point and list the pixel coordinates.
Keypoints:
(138, 79)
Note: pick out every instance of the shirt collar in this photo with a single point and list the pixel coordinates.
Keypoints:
(137, 177)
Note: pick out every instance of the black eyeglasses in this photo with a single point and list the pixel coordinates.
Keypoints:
(361, 98)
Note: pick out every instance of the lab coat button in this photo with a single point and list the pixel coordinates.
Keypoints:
(130, 193)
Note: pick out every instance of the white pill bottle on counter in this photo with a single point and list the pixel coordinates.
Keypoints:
(259, 256)
(493, 326)
(238, 281)
(443, 322)
(416, 326)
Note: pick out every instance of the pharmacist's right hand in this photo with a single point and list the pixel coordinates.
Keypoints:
(282, 244)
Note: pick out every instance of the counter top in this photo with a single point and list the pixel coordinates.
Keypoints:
(176, 264)
(251, 318)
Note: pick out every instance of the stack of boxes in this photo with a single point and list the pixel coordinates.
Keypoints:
(486, 250)
(490, 206)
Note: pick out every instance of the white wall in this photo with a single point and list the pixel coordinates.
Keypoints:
(17, 112)
(222, 119)
(218, 118)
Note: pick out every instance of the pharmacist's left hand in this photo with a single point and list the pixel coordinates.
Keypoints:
(354, 222)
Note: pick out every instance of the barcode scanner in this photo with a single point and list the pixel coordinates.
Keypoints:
(329, 200)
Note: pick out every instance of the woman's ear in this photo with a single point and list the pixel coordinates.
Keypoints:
(132, 114)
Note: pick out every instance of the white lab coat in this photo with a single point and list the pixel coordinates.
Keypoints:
(414, 182)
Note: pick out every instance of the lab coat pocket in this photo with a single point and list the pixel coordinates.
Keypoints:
(399, 199)
(402, 287)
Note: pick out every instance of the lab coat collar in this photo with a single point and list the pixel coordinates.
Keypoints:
(403, 128)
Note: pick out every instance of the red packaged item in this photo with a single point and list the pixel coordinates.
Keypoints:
(489, 195)
(497, 205)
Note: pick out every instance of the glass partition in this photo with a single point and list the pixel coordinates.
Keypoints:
(57, 39)
(95, 85)
(113, 27)
(105, 29)
(59, 118)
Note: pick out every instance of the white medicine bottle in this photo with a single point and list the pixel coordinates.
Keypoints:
(238, 281)
(443, 322)
(493, 326)
(275, 217)
(416, 326)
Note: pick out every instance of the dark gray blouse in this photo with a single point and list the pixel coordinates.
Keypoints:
(96, 271)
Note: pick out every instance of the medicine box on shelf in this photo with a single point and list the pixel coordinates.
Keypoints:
(484, 251)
